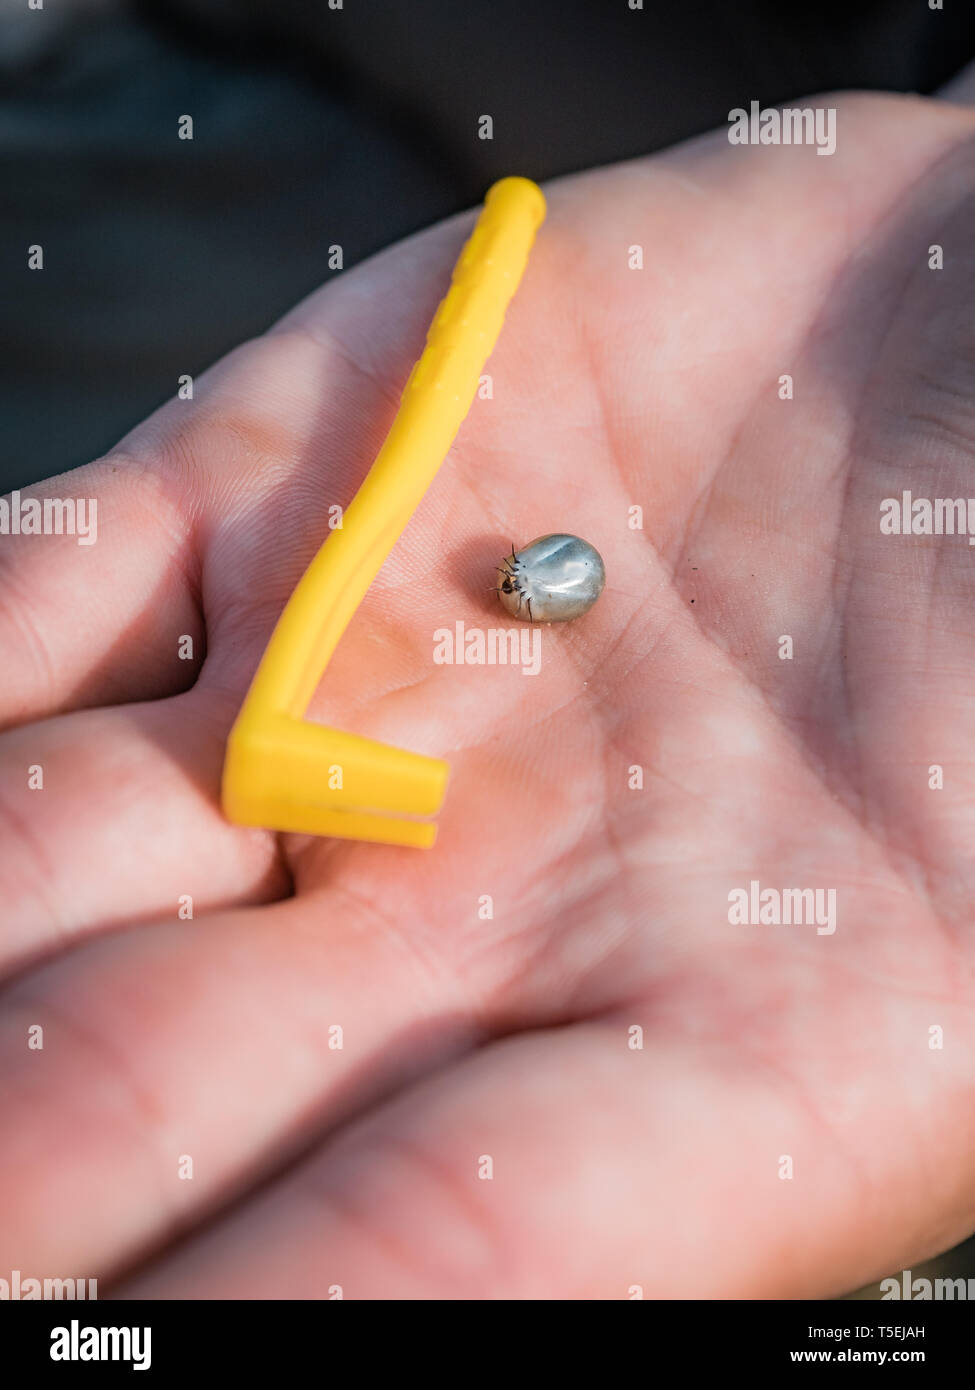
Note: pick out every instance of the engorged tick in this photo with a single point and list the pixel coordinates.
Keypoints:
(553, 579)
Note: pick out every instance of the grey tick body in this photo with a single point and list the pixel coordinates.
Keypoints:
(553, 579)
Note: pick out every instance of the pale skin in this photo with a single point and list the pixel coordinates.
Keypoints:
(510, 1036)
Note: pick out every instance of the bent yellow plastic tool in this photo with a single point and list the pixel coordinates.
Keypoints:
(280, 771)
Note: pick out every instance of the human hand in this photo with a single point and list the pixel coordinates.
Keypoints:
(510, 1037)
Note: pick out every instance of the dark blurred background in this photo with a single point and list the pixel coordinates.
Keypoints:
(315, 125)
(355, 125)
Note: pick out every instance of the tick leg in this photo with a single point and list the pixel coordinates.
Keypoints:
(530, 618)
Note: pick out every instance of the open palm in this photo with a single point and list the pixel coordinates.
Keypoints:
(538, 1060)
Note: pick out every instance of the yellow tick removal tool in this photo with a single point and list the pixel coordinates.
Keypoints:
(281, 771)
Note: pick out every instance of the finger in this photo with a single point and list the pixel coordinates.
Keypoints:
(220, 499)
(229, 1041)
(100, 613)
(111, 816)
(223, 499)
(566, 1164)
